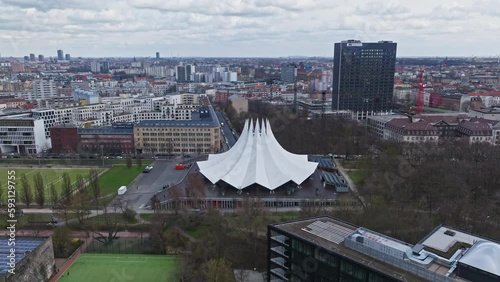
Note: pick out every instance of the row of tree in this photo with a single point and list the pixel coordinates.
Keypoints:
(41, 193)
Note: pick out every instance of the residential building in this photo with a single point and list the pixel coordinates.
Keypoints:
(363, 79)
(199, 135)
(85, 97)
(288, 73)
(43, 89)
(376, 124)
(32, 57)
(157, 55)
(95, 67)
(41, 58)
(492, 113)
(53, 117)
(60, 55)
(22, 135)
(328, 249)
(477, 130)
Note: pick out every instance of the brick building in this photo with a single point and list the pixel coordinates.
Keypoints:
(117, 139)
(64, 138)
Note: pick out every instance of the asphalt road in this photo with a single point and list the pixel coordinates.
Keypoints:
(227, 133)
(146, 185)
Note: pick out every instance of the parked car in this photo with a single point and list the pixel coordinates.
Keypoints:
(148, 169)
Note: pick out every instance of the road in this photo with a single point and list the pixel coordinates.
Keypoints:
(226, 132)
(146, 185)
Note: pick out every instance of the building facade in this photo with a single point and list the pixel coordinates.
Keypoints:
(201, 135)
(43, 89)
(22, 136)
(117, 139)
(328, 249)
(64, 139)
(363, 79)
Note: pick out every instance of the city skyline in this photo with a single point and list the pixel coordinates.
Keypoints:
(257, 28)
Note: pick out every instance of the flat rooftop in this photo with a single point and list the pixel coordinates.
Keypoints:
(330, 233)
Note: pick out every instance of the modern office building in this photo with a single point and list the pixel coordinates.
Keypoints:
(41, 58)
(157, 55)
(60, 55)
(68, 57)
(328, 249)
(95, 67)
(105, 67)
(288, 73)
(363, 77)
(22, 135)
(32, 57)
(199, 135)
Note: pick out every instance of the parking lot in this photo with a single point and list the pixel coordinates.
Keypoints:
(146, 185)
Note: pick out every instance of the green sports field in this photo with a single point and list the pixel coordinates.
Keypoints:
(49, 175)
(92, 267)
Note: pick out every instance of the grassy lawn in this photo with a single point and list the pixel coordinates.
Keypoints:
(91, 267)
(146, 216)
(357, 176)
(198, 231)
(49, 175)
(118, 176)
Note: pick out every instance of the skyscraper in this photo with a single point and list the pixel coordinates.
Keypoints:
(157, 55)
(288, 73)
(41, 58)
(32, 57)
(60, 55)
(68, 57)
(105, 67)
(363, 77)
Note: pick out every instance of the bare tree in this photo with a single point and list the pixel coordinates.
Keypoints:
(95, 186)
(111, 221)
(54, 197)
(26, 193)
(218, 270)
(128, 162)
(139, 161)
(80, 204)
(39, 189)
(80, 183)
(66, 186)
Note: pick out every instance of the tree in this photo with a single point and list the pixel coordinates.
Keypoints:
(139, 161)
(128, 162)
(66, 187)
(111, 221)
(80, 183)
(26, 193)
(218, 270)
(80, 204)
(54, 197)
(61, 238)
(95, 186)
(39, 189)
(1, 194)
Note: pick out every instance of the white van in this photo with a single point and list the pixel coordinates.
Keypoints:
(122, 190)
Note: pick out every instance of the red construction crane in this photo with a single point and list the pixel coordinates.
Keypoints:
(420, 95)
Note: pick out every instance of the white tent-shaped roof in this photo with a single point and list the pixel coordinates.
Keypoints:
(257, 158)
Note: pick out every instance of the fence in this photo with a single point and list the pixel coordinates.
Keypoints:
(126, 246)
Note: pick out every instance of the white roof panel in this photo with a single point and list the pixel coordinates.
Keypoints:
(257, 158)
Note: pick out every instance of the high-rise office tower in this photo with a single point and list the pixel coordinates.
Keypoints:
(288, 73)
(60, 55)
(105, 67)
(95, 67)
(157, 55)
(32, 57)
(363, 77)
(68, 57)
(41, 58)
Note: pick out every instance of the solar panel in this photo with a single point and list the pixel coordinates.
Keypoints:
(329, 231)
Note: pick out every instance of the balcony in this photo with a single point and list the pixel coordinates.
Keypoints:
(281, 262)
(282, 251)
(282, 239)
(280, 273)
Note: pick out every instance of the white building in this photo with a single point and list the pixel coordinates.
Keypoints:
(95, 67)
(22, 136)
(85, 97)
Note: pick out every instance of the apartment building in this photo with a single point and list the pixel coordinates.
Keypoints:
(199, 135)
(43, 89)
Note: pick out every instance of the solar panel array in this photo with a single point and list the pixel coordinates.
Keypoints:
(329, 231)
(23, 245)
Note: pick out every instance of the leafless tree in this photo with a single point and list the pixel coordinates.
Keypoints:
(39, 189)
(26, 193)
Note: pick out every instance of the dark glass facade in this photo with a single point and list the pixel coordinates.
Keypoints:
(294, 259)
(363, 76)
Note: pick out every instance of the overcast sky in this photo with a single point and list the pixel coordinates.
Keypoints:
(245, 28)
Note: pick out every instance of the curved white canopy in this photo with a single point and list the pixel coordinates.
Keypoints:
(257, 158)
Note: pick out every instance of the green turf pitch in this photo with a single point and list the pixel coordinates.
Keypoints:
(118, 268)
(49, 175)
